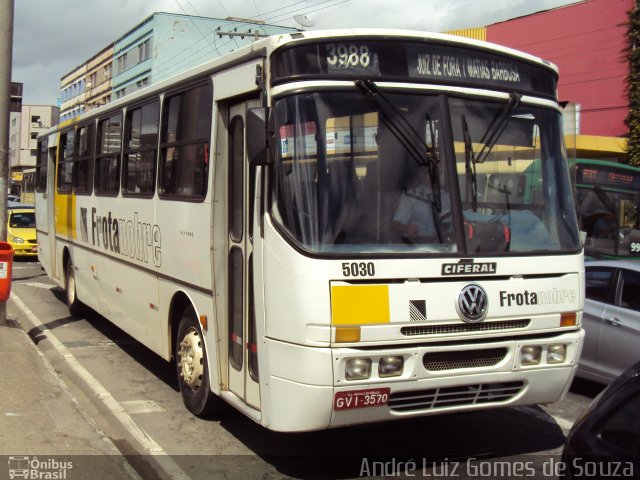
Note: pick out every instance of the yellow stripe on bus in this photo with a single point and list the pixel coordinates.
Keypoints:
(359, 304)
(65, 215)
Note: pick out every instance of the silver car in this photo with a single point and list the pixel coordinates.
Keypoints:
(611, 319)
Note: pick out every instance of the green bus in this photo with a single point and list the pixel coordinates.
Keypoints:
(608, 205)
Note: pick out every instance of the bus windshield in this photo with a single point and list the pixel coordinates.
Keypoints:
(357, 174)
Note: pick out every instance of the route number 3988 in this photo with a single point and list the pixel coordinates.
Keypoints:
(358, 269)
(348, 56)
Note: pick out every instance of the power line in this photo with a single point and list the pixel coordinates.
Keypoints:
(222, 25)
(183, 59)
(307, 9)
(569, 55)
(583, 47)
(602, 109)
(564, 76)
(223, 8)
(256, 7)
(195, 25)
(286, 14)
(562, 37)
(286, 6)
(561, 84)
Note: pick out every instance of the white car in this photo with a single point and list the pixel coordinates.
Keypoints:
(611, 319)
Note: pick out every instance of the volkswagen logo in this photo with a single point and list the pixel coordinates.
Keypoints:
(472, 303)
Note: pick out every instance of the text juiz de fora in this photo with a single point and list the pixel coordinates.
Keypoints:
(450, 66)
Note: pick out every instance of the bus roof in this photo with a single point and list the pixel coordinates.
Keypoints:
(265, 46)
(387, 33)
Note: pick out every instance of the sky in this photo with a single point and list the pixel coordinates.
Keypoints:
(52, 37)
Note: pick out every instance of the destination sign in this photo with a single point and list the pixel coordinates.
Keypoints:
(395, 60)
(608, 177)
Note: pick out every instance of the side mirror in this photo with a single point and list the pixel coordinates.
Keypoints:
(583, 237)
(258, 136)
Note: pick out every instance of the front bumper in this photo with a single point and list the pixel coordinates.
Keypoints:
(301, 402)
(24, 249)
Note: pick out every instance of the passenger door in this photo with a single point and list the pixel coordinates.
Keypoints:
(620, 331)
(45, 204)
(242, 350)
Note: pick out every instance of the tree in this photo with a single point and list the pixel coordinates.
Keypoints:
(633, 87)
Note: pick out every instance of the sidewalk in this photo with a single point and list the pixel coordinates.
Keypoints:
(41, 421)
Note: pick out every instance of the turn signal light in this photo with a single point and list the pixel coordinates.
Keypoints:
(347, 334)
(568, 319)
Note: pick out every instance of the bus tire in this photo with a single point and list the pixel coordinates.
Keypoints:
(73, 303)
(191, 365)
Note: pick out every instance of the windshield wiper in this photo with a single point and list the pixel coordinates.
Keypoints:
(399, 125)
(470, 165)
(496, 127)
(605, 199)
(424, 154)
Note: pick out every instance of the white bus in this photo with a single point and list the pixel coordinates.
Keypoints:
(330, 228)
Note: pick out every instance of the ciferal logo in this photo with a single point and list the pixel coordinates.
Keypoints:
(418, 310)
(468, 267)
(472, 303)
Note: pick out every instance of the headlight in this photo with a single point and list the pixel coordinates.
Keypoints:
(530, 355)
(390, 366)
(18, 240)
(556, 353)
(358, 369)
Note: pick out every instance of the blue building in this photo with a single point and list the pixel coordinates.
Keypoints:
(162, 45)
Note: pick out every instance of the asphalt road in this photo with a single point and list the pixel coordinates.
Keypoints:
(132, 395)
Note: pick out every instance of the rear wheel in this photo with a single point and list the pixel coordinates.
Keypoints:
(191, 364)
(74, 305)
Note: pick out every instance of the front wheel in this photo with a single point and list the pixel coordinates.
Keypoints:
(74, 305)
(191, 364)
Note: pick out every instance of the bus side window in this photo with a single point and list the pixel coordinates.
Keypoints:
(107, 169)
(184, 143)
(65, 162)
(42, 166)
(83, 161)
(139, 162)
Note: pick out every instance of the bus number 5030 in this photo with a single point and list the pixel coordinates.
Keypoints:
(358, 269)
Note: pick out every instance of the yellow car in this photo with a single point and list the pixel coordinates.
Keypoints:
(21, 231)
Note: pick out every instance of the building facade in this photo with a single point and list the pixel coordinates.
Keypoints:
(587, 41)
(72, 93)
(24, 128)
(159, 47)
(98, 79)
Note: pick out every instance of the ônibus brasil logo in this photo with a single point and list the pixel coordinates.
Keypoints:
(34, 468)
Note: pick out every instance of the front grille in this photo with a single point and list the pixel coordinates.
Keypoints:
(436, 398)
(465, 328)
(32, 241)
(455, 359)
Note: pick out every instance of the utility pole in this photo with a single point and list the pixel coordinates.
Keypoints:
(6, 52)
